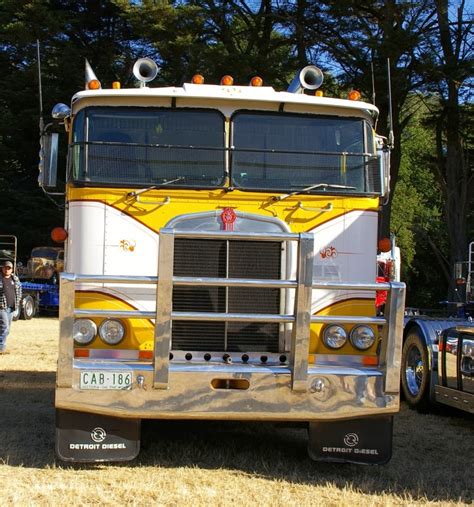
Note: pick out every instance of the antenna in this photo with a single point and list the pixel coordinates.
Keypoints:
(373, 81)
(41, 121)
(390, 119)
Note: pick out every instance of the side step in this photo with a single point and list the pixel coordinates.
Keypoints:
(86, 438)
(363, 441)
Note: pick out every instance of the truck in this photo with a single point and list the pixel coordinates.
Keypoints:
(39, 281)
(438, 356)
(220, 264)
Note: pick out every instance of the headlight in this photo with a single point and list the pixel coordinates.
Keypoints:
(362, 337)
(111, 331)
(84, 331)
(334, 337)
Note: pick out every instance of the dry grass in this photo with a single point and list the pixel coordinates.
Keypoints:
(213, 463)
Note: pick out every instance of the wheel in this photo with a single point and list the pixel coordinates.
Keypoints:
(28, 309)
(415, 372)
(16, 314)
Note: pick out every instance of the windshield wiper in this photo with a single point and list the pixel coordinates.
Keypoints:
(323, 186)
(152, 187)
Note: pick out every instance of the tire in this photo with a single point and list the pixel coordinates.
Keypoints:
(16, 314)
(415, 372)
(28, 308)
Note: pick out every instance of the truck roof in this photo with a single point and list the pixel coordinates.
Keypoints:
(263, 94)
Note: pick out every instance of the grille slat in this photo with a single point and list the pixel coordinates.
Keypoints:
(226, 259)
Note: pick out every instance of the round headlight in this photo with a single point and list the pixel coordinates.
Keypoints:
(362, 337)
(334, 337)
(84, 331)
(111, 331)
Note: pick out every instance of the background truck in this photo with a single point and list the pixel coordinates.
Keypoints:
(39, 277)
(431, 355)
(39, 280)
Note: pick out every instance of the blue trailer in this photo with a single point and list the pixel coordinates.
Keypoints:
(38, 297)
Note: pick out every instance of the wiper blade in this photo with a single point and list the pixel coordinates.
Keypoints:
(152, 187)
(314, 187)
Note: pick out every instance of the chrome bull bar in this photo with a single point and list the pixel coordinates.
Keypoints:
(391, 322)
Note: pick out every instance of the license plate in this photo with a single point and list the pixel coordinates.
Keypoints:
(101, 379)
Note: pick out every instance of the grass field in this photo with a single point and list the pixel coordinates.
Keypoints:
(213, 463)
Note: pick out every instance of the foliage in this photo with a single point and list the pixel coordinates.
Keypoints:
(430, 49)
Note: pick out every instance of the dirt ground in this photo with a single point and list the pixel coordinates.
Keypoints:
(213, 463)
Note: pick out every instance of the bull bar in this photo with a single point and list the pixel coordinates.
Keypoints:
(296, 391)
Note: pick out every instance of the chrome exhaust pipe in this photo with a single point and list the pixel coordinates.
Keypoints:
(308, 78)
(145, 70)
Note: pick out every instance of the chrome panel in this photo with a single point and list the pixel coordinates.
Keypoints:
(348, 393)
(301, 328)
(392, 342)
(115, 279)
(66, 321)
(164, 301)
(455, 398)
(185, 281)
(467, 363)
(232, 317)
(450, 362)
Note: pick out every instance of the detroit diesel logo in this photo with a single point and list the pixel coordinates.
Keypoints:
(351, 439)
(98, 435)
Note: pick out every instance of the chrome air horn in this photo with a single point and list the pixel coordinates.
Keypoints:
(309, 78)
(145, 70)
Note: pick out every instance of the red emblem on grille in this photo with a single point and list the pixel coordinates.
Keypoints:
(228, 217)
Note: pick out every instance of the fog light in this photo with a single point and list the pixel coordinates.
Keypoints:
(334, 337)
(362, 337)
(84, 331)
(112, 331)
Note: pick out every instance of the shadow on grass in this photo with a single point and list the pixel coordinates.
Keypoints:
(431, 457)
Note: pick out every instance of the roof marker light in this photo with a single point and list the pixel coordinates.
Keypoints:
(94, 84)
(354, 95)
(116, 85)
(197, 79)
(256, 81)
(319, 93)
(227, 80)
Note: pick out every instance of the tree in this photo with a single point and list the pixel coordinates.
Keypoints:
(448, 65)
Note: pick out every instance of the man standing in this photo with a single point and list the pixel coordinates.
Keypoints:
(10, 297)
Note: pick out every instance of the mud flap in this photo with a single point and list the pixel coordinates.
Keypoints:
(83, 437)
(364, 441)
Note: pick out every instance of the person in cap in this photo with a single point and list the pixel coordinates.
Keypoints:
(10, 297)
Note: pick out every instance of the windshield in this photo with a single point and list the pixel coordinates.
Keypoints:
(45, 252)
(146, 146)
(280, 151)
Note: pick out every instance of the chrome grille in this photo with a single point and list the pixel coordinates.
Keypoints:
(226, 259)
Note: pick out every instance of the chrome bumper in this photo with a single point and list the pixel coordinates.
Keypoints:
(332, 393)
(296, 391)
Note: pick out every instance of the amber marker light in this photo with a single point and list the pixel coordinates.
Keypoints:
(354, 95)
(93, 84)
(59, 235)
(256, 81)
(81, 352)
(370, 360)
(116, 85)
(385, 245)
(197, 79)
(227, 80)
(319, 93)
